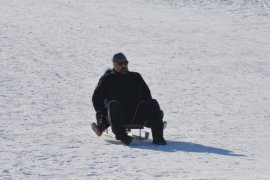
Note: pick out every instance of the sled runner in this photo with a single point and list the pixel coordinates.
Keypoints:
(130, 128)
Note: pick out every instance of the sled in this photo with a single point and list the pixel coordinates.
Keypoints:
(141, 133)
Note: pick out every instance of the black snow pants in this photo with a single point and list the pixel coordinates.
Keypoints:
(147, 113)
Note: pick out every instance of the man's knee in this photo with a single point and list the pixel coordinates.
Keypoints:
(152, 102)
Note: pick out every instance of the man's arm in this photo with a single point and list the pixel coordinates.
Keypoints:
(146, 91)
(99, 96)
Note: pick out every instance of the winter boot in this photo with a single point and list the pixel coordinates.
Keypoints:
(126, 140)
(98, 129)
(159, 141)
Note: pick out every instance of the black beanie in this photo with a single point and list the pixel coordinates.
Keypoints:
(119, 57)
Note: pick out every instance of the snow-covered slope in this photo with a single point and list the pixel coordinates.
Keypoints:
(207, 63)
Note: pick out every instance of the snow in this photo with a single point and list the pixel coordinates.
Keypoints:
(206, 62)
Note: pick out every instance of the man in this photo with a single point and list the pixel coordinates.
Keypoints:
(122, 97)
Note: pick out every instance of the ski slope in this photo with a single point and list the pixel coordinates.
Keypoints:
(206, 62)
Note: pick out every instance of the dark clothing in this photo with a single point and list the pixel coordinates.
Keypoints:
(128, 89)
(148, 113)
(126, 99)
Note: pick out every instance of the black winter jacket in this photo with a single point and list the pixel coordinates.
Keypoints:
(128, 89)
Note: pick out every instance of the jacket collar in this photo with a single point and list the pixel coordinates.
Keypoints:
(115, 72)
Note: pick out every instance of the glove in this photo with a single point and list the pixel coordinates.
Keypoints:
(101, 120)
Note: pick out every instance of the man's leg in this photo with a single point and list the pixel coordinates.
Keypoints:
(116, 116)
(102, 123)
(149, 112)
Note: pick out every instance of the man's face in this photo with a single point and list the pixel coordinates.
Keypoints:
(121, 67)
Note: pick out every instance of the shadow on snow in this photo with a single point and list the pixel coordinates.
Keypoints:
(175, 146)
